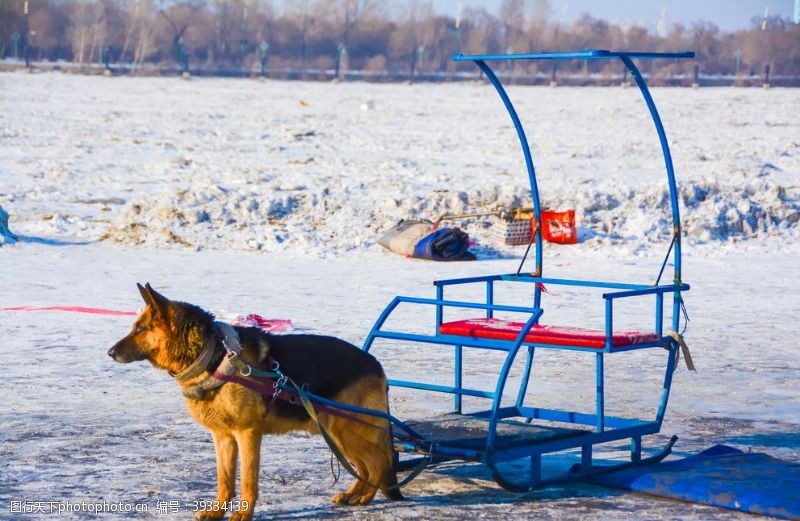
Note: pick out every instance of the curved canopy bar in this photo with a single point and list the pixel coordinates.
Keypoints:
(627, 59)
(586, 54)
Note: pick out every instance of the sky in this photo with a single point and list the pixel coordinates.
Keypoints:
(728, 15)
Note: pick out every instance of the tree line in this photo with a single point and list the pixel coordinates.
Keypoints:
(370, 35)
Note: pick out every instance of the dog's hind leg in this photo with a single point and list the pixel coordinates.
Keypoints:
(370, 443)
(357, 489)
(377, 467)
(387, 470)
(379, 458)
(249, 442)
(375, 462)
(226, 451)
(341, 431)
(376, 449)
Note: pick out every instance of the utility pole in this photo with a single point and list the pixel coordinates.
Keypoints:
(15, 38)
(341, 62)
(738, 57)
(25, 35)
(263, 55)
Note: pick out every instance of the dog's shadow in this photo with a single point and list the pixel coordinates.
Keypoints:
(446, 487)
(51, 242)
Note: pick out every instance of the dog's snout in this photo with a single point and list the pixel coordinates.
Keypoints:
(125, 352)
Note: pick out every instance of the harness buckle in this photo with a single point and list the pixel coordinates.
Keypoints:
(224, 342)
(277, 386)
(246, 368)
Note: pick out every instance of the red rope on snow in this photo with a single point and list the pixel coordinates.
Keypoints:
(75, 309)
(273, 325)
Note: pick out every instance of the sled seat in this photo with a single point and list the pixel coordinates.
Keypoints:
(540, 334)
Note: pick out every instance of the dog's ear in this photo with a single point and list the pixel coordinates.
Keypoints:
(156, 300)
(143, 293)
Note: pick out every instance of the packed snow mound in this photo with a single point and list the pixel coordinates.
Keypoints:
(231, 164)
(322, 221)
(267, 217)
(710, 212)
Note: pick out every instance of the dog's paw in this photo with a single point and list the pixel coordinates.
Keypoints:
(241, 516)
(340, 498)
(344, 498)
(209, 515)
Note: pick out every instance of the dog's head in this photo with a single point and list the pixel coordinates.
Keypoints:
(168, 334)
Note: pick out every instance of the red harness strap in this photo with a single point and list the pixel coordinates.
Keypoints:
(267, 388)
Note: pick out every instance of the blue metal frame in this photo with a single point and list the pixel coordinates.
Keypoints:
(526, 152)
(586, 54)
(604, 428)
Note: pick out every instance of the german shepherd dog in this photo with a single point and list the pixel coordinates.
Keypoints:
(172, 335)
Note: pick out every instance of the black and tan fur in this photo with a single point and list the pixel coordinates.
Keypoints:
(171, 335)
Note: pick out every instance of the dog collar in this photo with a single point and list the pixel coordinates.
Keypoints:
(200, 364)
(229, 339)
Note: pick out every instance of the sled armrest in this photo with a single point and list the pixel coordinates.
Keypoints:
(465, 280)
(655, 290)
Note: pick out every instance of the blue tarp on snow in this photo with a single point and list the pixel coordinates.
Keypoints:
(721, 476)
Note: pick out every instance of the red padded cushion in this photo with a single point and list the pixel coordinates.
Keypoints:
(558, 335)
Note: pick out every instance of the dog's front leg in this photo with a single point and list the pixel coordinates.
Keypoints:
(226, 450)
(249, 442)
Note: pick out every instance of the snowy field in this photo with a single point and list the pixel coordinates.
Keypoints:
(268, 197)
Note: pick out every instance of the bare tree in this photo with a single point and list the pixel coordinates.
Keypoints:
(10, 22)
(484, 32)
(131, 20)
(301, 12)
(48, 26)
(347, 14)
(540, 13)
(261, 23)
(512, 13)
(414, 32)
(705, 36)
(99, 31)
(179, 17)
(144, 36)
(227, 32)
(84, 19)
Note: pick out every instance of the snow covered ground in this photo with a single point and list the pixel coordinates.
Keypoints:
(244, 164)
(233, 195)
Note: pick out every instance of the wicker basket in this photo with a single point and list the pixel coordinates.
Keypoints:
(513, 228)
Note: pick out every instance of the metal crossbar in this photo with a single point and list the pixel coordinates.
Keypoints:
(513, 277)
(588, 54)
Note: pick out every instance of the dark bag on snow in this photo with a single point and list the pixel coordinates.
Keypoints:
(417, 239)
